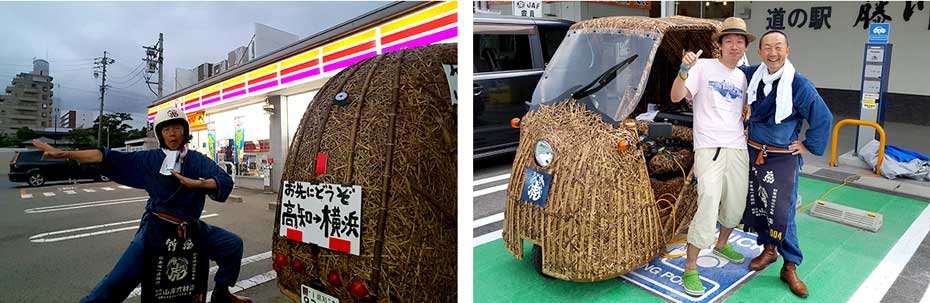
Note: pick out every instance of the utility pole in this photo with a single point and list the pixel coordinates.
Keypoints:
(102, 65)
(154, 56)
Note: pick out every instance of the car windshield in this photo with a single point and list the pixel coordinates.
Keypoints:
(586, 54)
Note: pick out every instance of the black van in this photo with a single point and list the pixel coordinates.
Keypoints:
(510, 54)
(31, 167)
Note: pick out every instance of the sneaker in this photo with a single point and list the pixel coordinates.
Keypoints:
(693, 285)
(727, 252)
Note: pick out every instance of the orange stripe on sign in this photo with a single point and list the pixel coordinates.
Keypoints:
(295, 235)
(349, 51)
(340, 245)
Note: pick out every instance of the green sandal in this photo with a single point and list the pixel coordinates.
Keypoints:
(693, 285)
(727, 252)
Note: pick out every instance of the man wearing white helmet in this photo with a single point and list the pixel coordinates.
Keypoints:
(177, 180)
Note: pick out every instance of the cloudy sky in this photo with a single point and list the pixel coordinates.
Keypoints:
(71, 34)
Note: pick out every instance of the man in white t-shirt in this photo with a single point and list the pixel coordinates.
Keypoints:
(721, 161)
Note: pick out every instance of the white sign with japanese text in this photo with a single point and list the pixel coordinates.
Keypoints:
(527, 8)
(328, 215)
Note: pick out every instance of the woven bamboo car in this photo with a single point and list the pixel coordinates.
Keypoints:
(582, 191)
(387, 126)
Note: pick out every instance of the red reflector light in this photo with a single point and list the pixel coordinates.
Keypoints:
(15, 158)
(358, 289)
(280, 260)
(276, 267)
(333, 279)
(297, 265)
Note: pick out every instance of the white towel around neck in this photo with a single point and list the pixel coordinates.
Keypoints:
(172, 162)
(784, 102)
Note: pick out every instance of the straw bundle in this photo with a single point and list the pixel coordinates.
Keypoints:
(396, 139)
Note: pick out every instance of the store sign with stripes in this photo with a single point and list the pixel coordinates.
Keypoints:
(434, 24)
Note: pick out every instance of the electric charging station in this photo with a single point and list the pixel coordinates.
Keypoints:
(876, 67)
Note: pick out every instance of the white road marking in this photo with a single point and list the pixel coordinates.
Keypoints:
(87, 190)
(84, 205)
(926, 298)
(107, 188)
(490, 179)
(489, 190)
(48, 194)
(249, 283)
(25, 196)
(70, 192)
(40, 238)
(124, 187)
(488, 237)
(488, 220)
(878, 283)
(245, 261)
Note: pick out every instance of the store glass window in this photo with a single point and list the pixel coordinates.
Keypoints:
(250, 124)
(706, 9)
(296, 107)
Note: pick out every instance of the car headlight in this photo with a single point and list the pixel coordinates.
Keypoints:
(543, 153)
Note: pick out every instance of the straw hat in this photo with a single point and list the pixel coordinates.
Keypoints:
(734, 25)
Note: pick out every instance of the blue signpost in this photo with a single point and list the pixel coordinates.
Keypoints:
(876, 67)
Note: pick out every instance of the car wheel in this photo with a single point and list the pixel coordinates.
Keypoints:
(36, 179)
(537, 261)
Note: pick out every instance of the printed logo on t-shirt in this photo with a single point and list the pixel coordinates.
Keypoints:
(726, 90)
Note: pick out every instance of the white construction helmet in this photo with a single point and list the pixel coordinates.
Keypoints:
(171, 115)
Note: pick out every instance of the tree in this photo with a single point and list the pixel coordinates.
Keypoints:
(115, 127)
(8, 140)
(83, 138)
(24, 134)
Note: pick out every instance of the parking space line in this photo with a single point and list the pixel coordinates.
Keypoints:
(46, 209)
(926, 298)
(87, 190)
(25, 196)
(489, 190)
(488, 220)
(40, 238)
(124, 187)
(884, 275)
(488, 237)
(490, 179)
(107, 188)
(70, 192)
(48, 194)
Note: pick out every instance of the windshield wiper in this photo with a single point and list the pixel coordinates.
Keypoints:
(604, 79)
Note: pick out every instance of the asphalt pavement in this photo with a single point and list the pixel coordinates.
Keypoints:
(57, 241)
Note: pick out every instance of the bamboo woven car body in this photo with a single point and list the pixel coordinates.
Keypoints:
(395, 137)
(602, 219)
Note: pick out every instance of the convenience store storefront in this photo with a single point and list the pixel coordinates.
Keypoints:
(247, 116)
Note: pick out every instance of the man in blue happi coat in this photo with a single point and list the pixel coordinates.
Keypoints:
(177, 181)
(780, 99)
